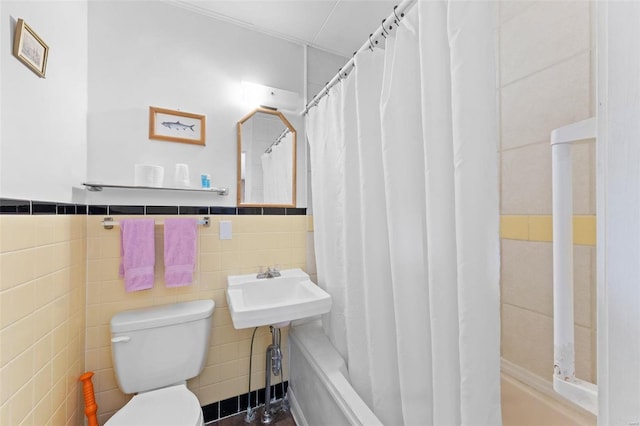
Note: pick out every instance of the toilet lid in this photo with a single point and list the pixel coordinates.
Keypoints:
(175, 405)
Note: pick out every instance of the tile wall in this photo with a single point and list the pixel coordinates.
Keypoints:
(545, 82)
(258, 241)
(42, 318)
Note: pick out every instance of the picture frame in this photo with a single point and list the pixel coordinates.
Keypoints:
(29, 48)
(176, 126)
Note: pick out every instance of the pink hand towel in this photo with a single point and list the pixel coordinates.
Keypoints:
(137, 253)
(180, 238)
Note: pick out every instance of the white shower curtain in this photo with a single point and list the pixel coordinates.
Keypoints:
(405, 195)
(277, 168)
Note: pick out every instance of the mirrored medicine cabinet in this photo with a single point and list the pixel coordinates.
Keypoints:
(266, 160)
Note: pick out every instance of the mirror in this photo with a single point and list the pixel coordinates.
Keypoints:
(266, 160)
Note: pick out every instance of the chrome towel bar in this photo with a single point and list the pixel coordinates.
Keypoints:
(109, 223)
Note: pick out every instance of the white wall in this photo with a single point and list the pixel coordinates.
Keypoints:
(321, 67)
(155, 54)
(43, 133)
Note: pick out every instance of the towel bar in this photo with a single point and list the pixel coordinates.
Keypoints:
(109, 223)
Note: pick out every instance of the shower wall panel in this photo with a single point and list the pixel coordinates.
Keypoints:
(546, 81)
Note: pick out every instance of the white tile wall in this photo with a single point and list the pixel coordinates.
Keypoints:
(547, 34)
(548, 99)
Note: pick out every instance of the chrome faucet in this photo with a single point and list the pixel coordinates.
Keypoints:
(270, 273)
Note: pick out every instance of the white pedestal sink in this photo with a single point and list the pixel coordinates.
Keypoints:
(256, 302)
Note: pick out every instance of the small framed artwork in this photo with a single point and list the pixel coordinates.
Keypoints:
(176, 126)
(30, 48)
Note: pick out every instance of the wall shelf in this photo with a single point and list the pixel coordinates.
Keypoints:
(96, 187)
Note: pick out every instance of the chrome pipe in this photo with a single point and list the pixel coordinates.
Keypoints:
(272, 362)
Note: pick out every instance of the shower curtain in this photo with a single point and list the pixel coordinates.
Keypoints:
(405, 196)
(277, 172)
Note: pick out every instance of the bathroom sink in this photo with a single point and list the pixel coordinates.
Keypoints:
(256, 302)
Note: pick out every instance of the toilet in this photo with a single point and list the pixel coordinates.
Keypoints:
(155, 351)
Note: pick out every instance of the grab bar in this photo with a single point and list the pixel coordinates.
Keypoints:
(565, 382)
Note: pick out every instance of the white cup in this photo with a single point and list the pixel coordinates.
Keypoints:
(181, 176)
(158, 176)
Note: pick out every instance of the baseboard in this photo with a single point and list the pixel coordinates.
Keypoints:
(543, 387)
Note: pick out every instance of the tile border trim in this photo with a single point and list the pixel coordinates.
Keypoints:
(539, 228)
(238, 404)
(11, 206)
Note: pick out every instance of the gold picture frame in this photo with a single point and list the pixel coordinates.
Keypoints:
(176, 126)
(29, 48)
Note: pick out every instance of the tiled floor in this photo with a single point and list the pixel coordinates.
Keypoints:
(280, 419)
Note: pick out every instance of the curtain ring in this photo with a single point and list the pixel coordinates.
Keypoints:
(340, 74)
(353, 65)
(397, 20)
(384, 30)
(370, 44)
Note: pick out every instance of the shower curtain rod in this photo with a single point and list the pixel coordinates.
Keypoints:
(277, 141)
(389, 24)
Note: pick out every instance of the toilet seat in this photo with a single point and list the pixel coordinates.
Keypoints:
(174, 405)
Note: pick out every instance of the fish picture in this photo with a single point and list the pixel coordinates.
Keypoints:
(177, 125)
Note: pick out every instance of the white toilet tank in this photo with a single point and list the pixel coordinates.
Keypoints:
(160, 346)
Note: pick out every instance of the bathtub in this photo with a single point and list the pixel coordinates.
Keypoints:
(319, 389)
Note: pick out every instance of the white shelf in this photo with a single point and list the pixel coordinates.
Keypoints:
(96, 187)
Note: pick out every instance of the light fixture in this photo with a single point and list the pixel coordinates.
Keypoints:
(256, 95)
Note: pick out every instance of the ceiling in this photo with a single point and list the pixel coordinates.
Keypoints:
(337, 26)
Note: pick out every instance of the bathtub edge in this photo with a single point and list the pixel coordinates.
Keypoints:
(338, 386)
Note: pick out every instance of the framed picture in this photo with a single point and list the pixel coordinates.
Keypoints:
(30, 48)
(176, 126)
